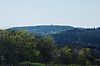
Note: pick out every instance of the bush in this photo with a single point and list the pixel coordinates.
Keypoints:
(30, 64)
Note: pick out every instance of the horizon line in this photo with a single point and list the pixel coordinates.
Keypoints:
(5, 27)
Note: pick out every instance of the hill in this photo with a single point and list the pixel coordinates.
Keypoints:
(68, 36)
(78, 36)
(44, 29)
(65, 35)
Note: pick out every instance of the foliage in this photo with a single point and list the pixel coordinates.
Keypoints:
(20, 46)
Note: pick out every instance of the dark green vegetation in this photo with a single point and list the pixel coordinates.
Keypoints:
(49, 46)
(21, 48)
(68, 36)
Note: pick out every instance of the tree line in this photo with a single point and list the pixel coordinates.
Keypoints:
(20, 47)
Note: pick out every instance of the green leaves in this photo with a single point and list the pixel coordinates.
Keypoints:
(19, 47)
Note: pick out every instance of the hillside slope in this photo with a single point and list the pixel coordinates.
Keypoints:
(65, 35)
(45, 29)
(86, 37)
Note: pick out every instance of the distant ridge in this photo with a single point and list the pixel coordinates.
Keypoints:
(43, 29)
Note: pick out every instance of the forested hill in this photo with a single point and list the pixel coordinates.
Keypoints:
(44, 29)
(65, 35)
(79, 36)
(77, 46)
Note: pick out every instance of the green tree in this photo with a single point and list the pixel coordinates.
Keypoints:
(84, 56)
(17, 47)
(47, 49)
(65, 55)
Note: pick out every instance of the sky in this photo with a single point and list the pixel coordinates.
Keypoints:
(78, 13)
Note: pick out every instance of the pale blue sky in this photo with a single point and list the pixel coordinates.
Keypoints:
(79, 13)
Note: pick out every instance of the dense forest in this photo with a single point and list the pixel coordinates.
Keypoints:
(22, 48)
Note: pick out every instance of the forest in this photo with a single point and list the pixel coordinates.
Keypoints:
(21, 48)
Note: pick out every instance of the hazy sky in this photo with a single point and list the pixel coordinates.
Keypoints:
(81, 13)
